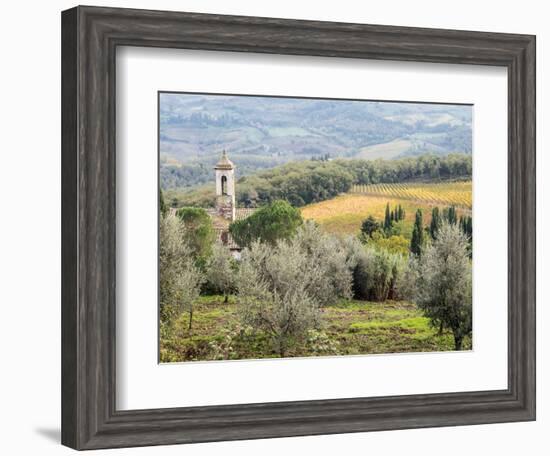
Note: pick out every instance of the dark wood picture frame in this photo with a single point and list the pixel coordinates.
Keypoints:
(90, 36)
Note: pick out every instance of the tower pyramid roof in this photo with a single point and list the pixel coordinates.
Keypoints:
(224, 162)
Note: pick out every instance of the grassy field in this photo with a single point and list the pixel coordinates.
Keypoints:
(344, 214)
(351, 328)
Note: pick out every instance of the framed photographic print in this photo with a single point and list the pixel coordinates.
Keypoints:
(290, 218)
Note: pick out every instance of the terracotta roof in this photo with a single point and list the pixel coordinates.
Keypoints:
(244, 212)
(221, 225)
(217, 220)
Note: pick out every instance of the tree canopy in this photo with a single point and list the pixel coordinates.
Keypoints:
(179, 279)
(444, 283)
(199, 232)
(278, 220)
(310, 181)
(417, 239)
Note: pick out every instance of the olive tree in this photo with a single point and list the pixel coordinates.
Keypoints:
(272, 294)
(282, 288)
(444, 283)
(179, 279)
(328, 264)
(220, 270)
(406, 281)
(377, 273)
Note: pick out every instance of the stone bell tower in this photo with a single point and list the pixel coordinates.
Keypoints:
(225, 188)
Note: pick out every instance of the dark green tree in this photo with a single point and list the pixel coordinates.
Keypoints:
(400, 213)
(198, 233)
(435, 224)
(369, 226)
(417, 240)
(450, 216)
(278, 220)
(387, 219)
(465, 224)
(469, 227)
(162, 205)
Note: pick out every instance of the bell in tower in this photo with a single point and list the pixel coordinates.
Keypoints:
(225, 188)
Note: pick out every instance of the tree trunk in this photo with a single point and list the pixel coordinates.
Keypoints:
(282, 349)
(458, 342)
(440, 329)
(226, 299)
(190, 320)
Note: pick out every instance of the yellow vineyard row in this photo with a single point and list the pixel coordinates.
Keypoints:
(444, 193)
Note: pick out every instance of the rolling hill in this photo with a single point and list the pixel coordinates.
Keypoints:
(264, 132)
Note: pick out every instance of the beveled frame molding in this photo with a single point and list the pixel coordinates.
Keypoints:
(90, 36)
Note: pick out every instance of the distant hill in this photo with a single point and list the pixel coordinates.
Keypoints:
(264, 132)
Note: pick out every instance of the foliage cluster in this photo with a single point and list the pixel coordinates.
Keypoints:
(278, 220)
(198, 232)
(291, 271)
(180, 280)
(443, 282)
(309, 181)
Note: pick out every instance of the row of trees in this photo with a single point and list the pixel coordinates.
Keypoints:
(393, 215)
(439, 218)
(310, 181)
(282, 283)
(392, 233)
(449, 215)
(307, 182)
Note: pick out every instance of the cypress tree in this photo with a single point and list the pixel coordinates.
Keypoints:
(417, 239)
(435, 224)
(469, 227)
(400, 213)
(451, 215)
(387, 218)
(162, 205)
